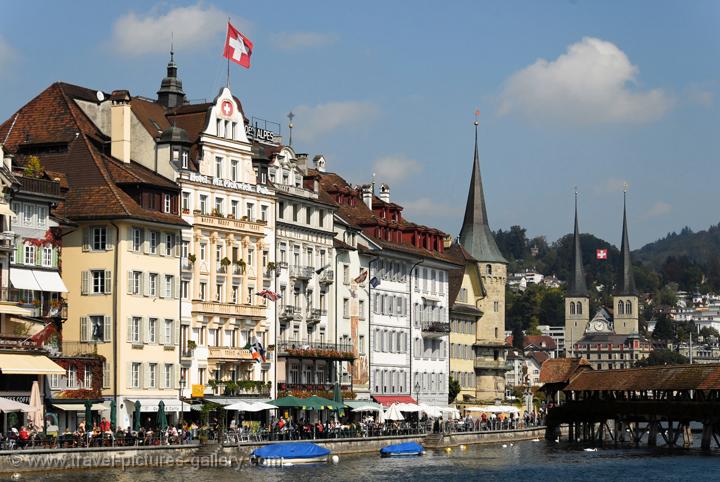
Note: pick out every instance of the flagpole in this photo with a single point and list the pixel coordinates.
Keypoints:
(227, 79)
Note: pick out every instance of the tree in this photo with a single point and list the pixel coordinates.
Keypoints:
(518, 336)
(453, 390)
(709, 331)
(664, 328)
(552, 307)
(662, 357)
(33, 168)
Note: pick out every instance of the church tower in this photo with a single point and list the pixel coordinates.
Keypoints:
(577, 300)
(171, 92)
(625, 299)
(477, 239)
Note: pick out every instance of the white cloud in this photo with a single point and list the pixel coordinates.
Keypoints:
(301, 40)
(660, 208)
(589, 84)
(424, 207)
(190, 27)
(699, 95)
(7, 54)
(313, 121)
(392, 169)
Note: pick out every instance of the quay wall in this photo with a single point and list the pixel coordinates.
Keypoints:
(215, 455)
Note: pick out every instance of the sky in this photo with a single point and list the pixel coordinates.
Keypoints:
(571, 94)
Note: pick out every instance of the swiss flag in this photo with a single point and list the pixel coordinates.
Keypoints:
(238, 47)
(601, 254)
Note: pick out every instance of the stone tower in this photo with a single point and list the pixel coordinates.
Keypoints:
(577, 300)
(625, 299)
(171, 92)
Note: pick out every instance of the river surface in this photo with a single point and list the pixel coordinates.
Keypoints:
(536, 461)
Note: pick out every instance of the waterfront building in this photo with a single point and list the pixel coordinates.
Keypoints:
(123, 285)
(408, 293)
(477, 239)
(312, 351)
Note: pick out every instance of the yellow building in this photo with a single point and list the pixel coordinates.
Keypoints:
(120, 260)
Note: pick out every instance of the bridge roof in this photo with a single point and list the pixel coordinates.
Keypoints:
(561, 370)
(676, 377)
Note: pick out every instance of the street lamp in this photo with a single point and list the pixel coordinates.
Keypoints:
(182, 404)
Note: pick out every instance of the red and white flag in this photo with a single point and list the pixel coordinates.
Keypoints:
(601, 254)
(362, 277)
(238, 47)
(268, 295)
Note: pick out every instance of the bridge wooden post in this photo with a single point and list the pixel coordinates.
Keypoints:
(601, 432)
(571, 431)
(706, 435)
(652, 433)
(619, 434)
(687, 435)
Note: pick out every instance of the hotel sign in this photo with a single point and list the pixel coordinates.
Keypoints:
(227, 183)
(259, 133)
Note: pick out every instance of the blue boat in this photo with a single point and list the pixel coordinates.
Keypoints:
(289, 454)
(407, 449)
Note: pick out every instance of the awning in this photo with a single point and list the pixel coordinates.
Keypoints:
(9, 405)
(14, 309)
(25, 364)
(230, 401)
(151, 404)
(49, 281)
(5, 210)
(80, 407)
(386, 401)
(23, 279)
(353, 404)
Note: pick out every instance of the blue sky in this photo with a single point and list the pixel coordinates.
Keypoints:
(579, 93)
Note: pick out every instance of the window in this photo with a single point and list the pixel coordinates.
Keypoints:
(496, 306)
(621, 308)
(308, 215)
(137, 239)
(136, 330)
(488, 269)
(135, 376)
(169, 244)
(578, 308)
(106, 375)
(235, 294)
(219, 207)
(203, 251)
(218, 292)
(186, 202)
(169, 376)
(234, 169)
(346, 274)
(264, 213)
(235, 208)
(281, 210)
(572, 307)
(346, 308)
(185, 159)
(152, 330)
(99, 238)
(203, 203)
(219, 167)
(628, 307)
(28, 213)
(29, 254)
(154, 242)
(185, 289)
(250, 211)
(203, 291)
(167, 204)
(152, 375)
(168, 288)
(135, 283)
(153, 284)
(321, 218)
(97, 328)
(296, 211)
(99, 282)
(42, 215)
(168, 332)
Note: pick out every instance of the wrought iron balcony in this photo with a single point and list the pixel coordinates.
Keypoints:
(290, 312)
(329, 351)
(229, 353)
(435, 328)
(301, 272)
(7, 241)
(327, 277)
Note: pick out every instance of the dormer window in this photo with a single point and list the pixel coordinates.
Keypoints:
(176, 154)
(167, 203)
(220, 128)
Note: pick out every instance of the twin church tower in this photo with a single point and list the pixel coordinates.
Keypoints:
(622, 319)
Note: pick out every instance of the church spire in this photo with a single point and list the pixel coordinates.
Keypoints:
(171, 93)
(626, 284)
(577, 286)
(475, 234)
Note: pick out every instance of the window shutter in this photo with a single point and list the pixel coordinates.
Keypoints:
(109, 238)
(145, 375)
(130, 283)
(161, 285)
(84, 282)
(143, 338)
(129, 375)
(86, 239)
(107, 326)
(83, 328)
(176, 287)
(129, 329)
(146, 334)
(141, 289)
(130, 238)
(157, 332)
(108, 282)
(161, 377)
(176, 332)
(19, 253)
(178, 245)
(173, 377)
(145, 241)
(146, 284)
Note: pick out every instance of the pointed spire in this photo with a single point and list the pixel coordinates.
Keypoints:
(626, 284)
(576, 285)
(171, 93)
(475, 234)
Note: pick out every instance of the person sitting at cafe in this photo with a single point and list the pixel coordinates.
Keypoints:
(104, 425)
(23, 437)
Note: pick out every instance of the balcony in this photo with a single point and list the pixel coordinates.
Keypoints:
(282, 264)
(327, 277)
(77, 348)
(229, 353)
(485, 363)
(39, 186)
(435, 329)
(218, 222)
(246, 311)
(313, 315)
(326, 351)
(7, 241)
(301, 272)
(289, 312)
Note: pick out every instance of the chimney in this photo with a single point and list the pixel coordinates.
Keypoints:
(384, 192)
(301, 159)
(6, 158)
(367, 194)
(120, 125)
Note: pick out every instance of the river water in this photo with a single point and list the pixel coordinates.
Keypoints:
(536, 461)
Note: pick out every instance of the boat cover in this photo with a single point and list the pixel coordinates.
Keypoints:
(300, 450)
(403, 448)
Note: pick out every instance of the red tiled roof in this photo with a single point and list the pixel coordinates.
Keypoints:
(561, 370)
(387, 400)
(673, 377)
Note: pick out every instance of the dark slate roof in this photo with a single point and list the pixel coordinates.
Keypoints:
(475, 235)
(626, 283)
(674, 377)
(174, 135)
(576, 285)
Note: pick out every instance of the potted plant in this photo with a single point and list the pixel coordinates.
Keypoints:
(225, 262)
(271, 266)
(216, 212)
(240, 263)
(191, 258)
(191, 345)
(186, 211)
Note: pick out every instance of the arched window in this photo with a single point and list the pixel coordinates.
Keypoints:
(572, 307)
(578, 308)
(628, 307)
(488, 268)
(621, 308)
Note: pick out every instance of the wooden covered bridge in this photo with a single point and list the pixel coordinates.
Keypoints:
(624, 406)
